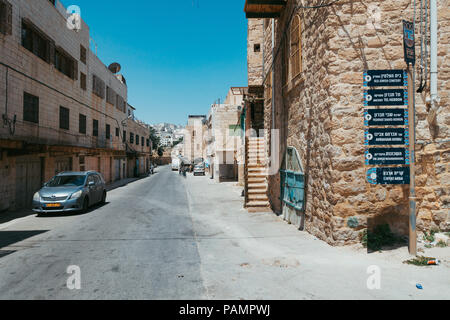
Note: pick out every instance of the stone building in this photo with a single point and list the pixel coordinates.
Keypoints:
(194, 138)
(224, 138)
(62, 108)
(310, 78)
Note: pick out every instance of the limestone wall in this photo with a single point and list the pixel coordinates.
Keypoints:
(323, 111)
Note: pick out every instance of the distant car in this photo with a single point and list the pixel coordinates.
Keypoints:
(69, 192)
(199, 169)
(176, 164)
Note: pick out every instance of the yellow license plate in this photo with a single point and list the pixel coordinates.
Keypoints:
(53, 205)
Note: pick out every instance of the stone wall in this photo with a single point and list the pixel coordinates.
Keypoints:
(322, 109)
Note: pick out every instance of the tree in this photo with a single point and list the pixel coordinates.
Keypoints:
(160, 151)
(178, 142)
(155, 139)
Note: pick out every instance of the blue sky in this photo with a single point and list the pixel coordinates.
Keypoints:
(178, 56)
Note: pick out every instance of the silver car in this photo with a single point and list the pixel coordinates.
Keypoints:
(70, 191)
(199, 169)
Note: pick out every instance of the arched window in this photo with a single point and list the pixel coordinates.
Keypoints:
(296, 47)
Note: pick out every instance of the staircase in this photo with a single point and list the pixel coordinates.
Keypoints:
(256, 176)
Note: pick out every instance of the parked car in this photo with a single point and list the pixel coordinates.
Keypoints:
(69, 192)
(199, 169)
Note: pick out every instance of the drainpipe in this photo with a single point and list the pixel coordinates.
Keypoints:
(273, 74)
(433, 54)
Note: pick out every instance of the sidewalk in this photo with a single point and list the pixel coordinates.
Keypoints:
(260, 256)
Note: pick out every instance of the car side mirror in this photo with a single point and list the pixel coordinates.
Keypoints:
(91, 183)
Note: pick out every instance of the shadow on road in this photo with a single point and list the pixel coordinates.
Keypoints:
(8, 238)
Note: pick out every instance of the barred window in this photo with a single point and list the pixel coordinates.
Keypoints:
(296, 47)
(111, 96)
(83, 54)
(95, 128)
(142, 141)
(83, 80)
(120, 104)
(5, 17)
(131, 137)
(30, 108)
(65, 64)
(36, 42)
(98, 86)
(108, 131)
(82, 124)
(137, 139)
(64, 118)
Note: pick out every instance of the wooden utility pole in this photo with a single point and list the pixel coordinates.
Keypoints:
(412, 160)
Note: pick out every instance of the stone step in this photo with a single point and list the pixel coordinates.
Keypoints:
(256, 180)
(258, 204)
(257, 186)
(258, 197)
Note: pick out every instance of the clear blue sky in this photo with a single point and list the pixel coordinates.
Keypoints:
(178, 56)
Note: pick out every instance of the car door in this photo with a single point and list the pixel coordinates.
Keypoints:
(98, 188)
(92, 193)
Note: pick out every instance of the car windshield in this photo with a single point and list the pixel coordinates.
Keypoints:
(66, 181)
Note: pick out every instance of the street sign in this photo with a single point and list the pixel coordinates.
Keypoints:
(385, 97)
(387, 156)
(386, 117)
(389, 175)
(386, 137)
(385, 78)
(409, 42)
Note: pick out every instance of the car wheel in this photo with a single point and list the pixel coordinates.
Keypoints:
(85, 205)
(103, 198)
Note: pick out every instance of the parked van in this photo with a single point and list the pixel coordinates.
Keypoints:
(176, 164)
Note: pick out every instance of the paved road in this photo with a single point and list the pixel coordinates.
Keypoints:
(140, 245)
(169, 237)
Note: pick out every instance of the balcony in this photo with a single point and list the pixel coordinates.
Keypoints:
(256, 9)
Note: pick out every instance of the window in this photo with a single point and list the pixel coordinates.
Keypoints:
(34, 41)
(95, 128)
(30, 108)
(124, 137)
(148, 142)
(82, 124)
(142, 141)
(83, 54)
(137, 139)
(117, 132)
(120, 105)
(257, 47)
(64, 118)
(235, 131)
(131, 137)
(65, 64)
(295, 50)
(108, 131)
(83, 83)
(110, 96)
(5, 17)
(98, 86)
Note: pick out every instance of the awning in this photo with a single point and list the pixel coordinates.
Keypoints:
(264, 8)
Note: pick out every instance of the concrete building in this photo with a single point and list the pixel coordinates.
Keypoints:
(306, 70)
(194, 138)
(62, 108)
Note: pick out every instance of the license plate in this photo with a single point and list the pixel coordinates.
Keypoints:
(53, 205)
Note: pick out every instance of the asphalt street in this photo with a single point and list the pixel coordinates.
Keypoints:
(140, 245)
(169, 237)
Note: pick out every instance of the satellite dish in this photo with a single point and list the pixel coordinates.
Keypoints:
(114, 67)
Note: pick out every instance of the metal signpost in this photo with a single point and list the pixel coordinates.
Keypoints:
(409, 44)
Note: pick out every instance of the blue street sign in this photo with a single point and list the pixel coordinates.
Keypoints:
(386, 117)
(386, 176)
(387, 156)
(386, 137)
(385, 97)
(385, 78)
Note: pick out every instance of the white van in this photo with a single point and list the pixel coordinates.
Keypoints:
(175, 164)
